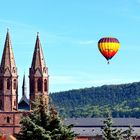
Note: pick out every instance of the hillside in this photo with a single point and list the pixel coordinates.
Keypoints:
(122, 100)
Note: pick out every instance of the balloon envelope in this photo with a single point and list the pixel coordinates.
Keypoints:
(108, 46)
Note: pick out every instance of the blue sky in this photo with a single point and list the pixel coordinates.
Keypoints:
(69, 32)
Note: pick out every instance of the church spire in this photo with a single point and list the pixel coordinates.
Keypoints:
(8, 61)
(38, 60)
(8, 78)
(24, 102)
(38, 74)
(24, 88)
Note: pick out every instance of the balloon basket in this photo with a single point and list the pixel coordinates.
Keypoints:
(108, 62)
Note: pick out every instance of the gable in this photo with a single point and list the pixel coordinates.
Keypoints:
(38, 73)
(7, 72)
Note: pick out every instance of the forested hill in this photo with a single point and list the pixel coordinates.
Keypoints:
(123, 101)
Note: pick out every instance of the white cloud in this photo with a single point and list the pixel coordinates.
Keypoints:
(87, 42)
(81, 80)
(64, 83)
(62, 79)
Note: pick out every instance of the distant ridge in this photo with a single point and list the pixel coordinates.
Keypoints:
(122, 100)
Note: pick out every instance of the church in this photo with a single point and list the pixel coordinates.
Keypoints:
(10, 110)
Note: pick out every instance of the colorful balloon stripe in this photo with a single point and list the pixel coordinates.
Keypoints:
(108, 39)
(108, 47)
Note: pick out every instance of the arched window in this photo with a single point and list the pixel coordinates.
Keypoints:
(45, 85)
(1, 84)
(39, 84)
(32, 86)
(8, 119)
(8, 83)
(0, 104)
(15, 84)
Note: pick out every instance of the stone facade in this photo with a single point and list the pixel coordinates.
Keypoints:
(8, 79)
(10, 111)
(38, 74)
(10, 121)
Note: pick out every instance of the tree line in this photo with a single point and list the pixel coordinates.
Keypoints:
(122, 100)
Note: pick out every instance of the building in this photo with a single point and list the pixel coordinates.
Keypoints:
(10, 110)
(91, 128)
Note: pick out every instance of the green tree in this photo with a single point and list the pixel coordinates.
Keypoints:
(109, 133)
(43, 123)
(116, 134)
(128, 134)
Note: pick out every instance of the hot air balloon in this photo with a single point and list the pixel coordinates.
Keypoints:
(108, 46)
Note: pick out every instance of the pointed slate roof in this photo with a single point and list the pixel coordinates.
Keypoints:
(24, 88)
(8, 61)
(24, 99)
(24, 102)
(38, 60)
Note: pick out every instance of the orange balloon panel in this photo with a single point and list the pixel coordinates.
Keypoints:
(108, 47)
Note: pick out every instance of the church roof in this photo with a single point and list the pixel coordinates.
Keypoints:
(98, 122)
(93, 126)
(24, 103)
(8, 60)
(24, 99)
(24, 88)
(38, 60)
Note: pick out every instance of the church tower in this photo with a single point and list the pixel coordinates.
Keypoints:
(38, 74)
(8, 78)
(24, 102)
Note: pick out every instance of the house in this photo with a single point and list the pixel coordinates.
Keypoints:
(91, 128)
